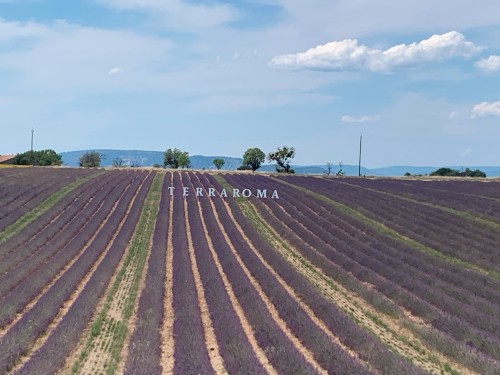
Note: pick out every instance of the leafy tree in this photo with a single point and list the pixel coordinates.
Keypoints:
(42, 158)
(91, 159)
(282, 156)
(253, 158)
(175, 158)
(219, 163)
(448, 172)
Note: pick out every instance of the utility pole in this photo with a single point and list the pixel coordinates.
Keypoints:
(359, 165)
(32, 159)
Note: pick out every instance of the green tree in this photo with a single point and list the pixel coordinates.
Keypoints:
(91, 159)
(42, 158)
(253, 158)
(283, 156)
(175, 158)
(219, 163)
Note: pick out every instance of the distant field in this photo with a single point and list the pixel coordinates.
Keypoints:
(149, 272)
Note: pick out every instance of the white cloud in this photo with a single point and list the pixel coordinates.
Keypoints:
(486, 109)
(489, 65)
(361, 119)
(348, 54)
(115, 71)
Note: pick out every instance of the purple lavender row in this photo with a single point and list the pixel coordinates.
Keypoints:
(479, 313)
(234, 345)
(24, 282)
(412, 220)
(15, 343)
(409, 261)
(420, 215)
(63, 339)
(475, 204)
(28, 201)
(144, 350)
(489, 189)
(190, 352)
(369, 348)
(347, 255)
(81, 210)
(283, 356)
(16, 186)
(44, 226)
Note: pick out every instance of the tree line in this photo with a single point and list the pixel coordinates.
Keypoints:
(253, 158)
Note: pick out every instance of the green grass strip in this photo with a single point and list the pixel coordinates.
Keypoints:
(136, 257)
(29, 217)
(381, 228)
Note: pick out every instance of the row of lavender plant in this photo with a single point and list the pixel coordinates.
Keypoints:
(361, 342)
(144, 349)
(346, 253)
(81, 208)
(479, 231)
(482, 188)
(16, 342)
(19, 187)
(283, 356)
(432, 227)
(190, 351)
(470, 201)
(465, 303)
(26, 198)
(22, 283)
(43, 226)
(51, 357)
(234, 346)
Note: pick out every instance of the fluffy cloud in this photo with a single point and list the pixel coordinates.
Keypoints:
(348, 54)
(489, 65)
(360, 119)
(485, 109)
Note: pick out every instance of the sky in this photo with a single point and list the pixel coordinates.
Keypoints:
(418, 79)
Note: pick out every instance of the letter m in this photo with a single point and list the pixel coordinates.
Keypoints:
(261, 193)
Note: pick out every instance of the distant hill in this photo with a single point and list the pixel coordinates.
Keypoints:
(148, 158)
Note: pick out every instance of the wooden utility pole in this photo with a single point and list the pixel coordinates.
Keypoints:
(32, 159)
(360, 144)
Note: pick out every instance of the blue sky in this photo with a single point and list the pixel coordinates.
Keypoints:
(419, 79)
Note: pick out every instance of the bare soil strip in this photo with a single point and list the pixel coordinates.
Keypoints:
(210, 338)
(388, 329)
(306, 353)
(40, 341)
(169, 315)
(109, 331)
(240, 312)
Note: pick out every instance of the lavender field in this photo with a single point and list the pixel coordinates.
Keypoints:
(138, 271)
